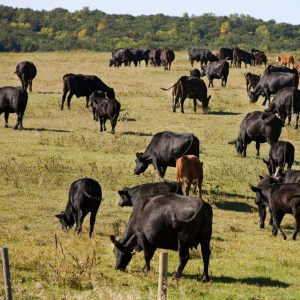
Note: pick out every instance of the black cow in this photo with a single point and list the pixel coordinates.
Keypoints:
(271, 83)
(226, 53)
(240, 56)
(216, 70)
(195, 73)
(85, 196)
(189, 87)
(13, 100)
(83, 86)
(166, 57)
(251, 80)
(26, 71)
(259, 127)
(154, 57)
(282, 69)
(122, 56)
(131, 196)
(281, 199)
(105, 108)
(164, 149)
(280, 154)
(141, 54)
(286, 102)
(290, 176)
(265, 181)
(168, 221)
(196, 54)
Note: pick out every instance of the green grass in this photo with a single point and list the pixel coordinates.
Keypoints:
(38, 165)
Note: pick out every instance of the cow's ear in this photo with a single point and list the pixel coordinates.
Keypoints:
(267, 162)
(260, 176)
(58, 216)
(255, 189)
(139, 155)
(113, 239)
(121, 192)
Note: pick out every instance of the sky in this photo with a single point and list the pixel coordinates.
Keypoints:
(286, 11)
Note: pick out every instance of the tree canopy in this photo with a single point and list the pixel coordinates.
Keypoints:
(59, 29)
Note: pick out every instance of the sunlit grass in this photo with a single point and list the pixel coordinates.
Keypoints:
(38, 165)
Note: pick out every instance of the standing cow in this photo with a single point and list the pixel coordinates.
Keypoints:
(83, 86)
(189, 170)
(168, 221)
(13, 100)
(26, 71)
(216, 70)
(189, 87)
(164, 149)
(103, 109)
(85, 196)
(166, 58)
(259, 127)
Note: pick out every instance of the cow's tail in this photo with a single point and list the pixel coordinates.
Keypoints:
(193, 140)
(91, 196)
(166, 89)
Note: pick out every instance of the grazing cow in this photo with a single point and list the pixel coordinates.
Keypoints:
(265, 181)
(164, 149)
(189, 170)
(196, 54)
(26, 71)
(216, 70)
(13, 100)
(281, 199)
(85, 196)
(168, 221)
(226, 53)
(286, 102)
(259, 127)
(83, 86)
(105, 108)
(272, 69)
(154, 57)
(286, 60)
(239, 56)
(280, 154)
(131, 196)
(195, 73)
(260, 58)
(271, 83)
(189, 87)
(141, 54)
(251, 80)
(166, 58)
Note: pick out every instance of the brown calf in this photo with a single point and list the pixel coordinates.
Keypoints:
(286, 60)
(189, 170)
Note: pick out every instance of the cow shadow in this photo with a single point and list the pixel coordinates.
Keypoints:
(138, 133)
(46, 129)
(234, 206)
(223, 113)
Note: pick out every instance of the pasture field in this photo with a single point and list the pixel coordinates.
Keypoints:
(38, 164)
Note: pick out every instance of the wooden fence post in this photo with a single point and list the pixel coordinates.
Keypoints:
(162, 279)
(6, 274)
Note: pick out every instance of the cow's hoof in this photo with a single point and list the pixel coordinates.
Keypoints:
(6, 126)
(283, 237)
(204, 278)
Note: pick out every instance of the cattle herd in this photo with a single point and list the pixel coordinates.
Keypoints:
(162, 217)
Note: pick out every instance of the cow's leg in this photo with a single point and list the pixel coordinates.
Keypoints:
(113, 124)
(205, 250)
(19, 122)
(289, 118)
(79, 222)
(182, 103)
(69, 99)
(92, 221)
(161, 170)
(149, 251)
(30, 85)
(104, 126)
(296, 120)
(257, 146)
(277, 218)
(200, 187)
(195, 104)
(262, 215)
(101, 121)
(184, 256)
(297, 226)
(6, 115)
(188, 187)
(87, 101)
(63, 99)
(24, 83)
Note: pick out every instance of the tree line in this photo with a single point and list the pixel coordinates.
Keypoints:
(59, 29)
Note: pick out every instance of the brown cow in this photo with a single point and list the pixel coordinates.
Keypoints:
(286, 60)
(189, 170)
(297, 67)
(251, 80)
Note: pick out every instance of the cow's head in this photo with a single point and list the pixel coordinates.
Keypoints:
(66, 220)
(260, 205)
(122, 253)
(195, 73)
(125, 198)
(205, 103)
(111, 62)
(142, 162)
(110, 93)
(202, 71)
(252, 97)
